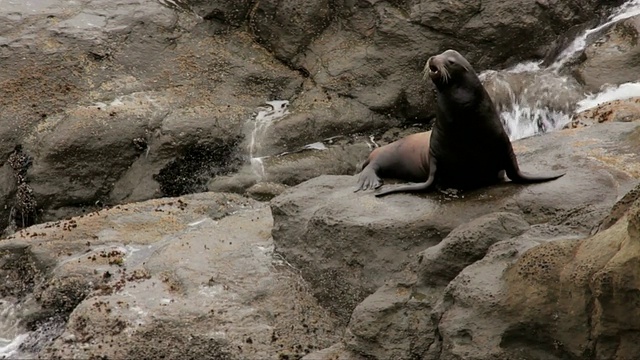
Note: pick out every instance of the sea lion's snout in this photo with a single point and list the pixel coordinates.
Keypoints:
(436, 68)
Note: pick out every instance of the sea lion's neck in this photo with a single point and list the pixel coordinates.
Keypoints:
(460, 97)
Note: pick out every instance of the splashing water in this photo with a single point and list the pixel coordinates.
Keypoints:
(534, 100)
(266, 116)
(531, 101)
(610, 93)
(625, 11)
(12, 335)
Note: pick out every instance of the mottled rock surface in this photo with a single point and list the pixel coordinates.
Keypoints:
(192, 277)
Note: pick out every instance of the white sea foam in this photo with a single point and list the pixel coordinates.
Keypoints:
(610, 93)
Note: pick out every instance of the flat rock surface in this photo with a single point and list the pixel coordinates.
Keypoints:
(194, 276)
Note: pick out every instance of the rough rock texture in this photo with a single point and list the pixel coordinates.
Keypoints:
(466, 244)
(120, 101)
(287, 27)
(617, 110)
(190, 277)
(356, 241)
(613, 58)
(532, 277)
(124, 101)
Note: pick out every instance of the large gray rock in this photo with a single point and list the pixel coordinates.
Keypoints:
(288, 27)
(612, 58)
(189, 277)
(125, 101)
(355, 241)
(120, 101)
(466, 244)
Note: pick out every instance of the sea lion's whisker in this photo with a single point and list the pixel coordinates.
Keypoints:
(445, 74)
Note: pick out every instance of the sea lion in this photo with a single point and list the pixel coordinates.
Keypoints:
(468, 146)
(405, 159)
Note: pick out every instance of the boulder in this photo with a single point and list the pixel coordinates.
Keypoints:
(612, 58)
(287, 27)
(356, 242)
(188, 277)
(549, 300)
(145, 106)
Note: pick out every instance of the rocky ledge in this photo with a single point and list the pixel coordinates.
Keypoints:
(192, 277)
(505, 272)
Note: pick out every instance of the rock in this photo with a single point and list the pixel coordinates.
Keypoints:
(144, 105)
(122, 101)
(552, 300)
(617, 110)
(339, 158)
(343, 238)
(479, 288)
(565, 39)
(548, 293)
(265, 191)
(613, 57)
(466, 244)
(231, 12)
(317, 115)
(392, 323)
(192, 276)
(288, 27)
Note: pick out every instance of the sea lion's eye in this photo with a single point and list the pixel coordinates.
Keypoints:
(450, 62)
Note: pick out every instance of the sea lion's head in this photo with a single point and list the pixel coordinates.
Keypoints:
(449, 69)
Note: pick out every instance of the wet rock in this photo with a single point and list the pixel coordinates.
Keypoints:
(335, 156)
(193, 276)
(535, 90)
(136, 87)
(317, 115)
(340, 158)
(342, 238)
(613, 57)
(565, 39)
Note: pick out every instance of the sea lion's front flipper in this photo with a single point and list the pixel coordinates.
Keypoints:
(415, 187)
(519, 177)
(368, 179)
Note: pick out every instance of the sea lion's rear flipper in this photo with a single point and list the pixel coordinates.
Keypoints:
(524, 178)
(519, 177)
(415, 187)
(368, 179)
